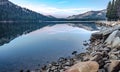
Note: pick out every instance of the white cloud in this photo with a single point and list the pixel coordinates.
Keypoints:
(48, 10)
(57, 12)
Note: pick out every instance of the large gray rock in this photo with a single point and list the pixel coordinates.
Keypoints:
(111, 38)
(104, 33)
(118, 33)
(116, 42)
(108, 31)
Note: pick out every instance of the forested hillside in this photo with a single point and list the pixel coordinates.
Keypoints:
(10, 11)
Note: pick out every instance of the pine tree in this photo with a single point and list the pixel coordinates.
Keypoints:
(118, 8)
(117, 2)
(108, 14)
(112, 10)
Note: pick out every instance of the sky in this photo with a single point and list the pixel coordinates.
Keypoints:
(62, 8)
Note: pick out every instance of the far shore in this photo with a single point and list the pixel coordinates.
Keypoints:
(56, 21)
(99, 22)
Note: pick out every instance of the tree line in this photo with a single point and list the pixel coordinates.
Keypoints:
(113, 10)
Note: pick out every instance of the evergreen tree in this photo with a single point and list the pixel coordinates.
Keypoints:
(108, 14)
(117, 2)
(113, 10)
(118, 8)
(112, 15)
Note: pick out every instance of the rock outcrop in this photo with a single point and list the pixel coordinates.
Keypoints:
(104, 49)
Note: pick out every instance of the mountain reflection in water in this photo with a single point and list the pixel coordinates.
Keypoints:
(25, 45)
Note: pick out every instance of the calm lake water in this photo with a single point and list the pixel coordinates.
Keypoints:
(25, 45)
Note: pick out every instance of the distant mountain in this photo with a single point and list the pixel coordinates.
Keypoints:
(10, 11)
(95, 15)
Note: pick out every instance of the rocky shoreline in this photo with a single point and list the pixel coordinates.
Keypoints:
(102, 55)
(107, 23)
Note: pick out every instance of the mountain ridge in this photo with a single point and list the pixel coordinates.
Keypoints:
(90, 15)
(11, 11)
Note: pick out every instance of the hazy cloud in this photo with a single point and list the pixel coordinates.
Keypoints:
(50, 10)
(57, 12)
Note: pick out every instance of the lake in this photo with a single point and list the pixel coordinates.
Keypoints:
(31, 45)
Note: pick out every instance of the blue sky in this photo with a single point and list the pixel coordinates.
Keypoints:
(62, 8)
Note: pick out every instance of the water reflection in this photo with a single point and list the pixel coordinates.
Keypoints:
(9, 31)
(30, 44)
